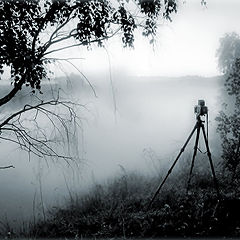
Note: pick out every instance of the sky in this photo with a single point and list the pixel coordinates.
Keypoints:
(185, 46)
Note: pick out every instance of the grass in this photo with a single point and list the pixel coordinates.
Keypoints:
(118, 209)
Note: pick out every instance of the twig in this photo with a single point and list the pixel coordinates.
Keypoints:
(10, 166)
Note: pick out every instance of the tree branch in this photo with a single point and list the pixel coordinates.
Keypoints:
(89, 83)
(40, 144)
(83, 43)
(12, 93)
(10, 166)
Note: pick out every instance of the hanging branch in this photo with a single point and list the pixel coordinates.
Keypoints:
(6, 167)
(14, 128)
(32, 32)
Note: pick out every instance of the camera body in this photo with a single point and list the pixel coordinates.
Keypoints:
(200, 109)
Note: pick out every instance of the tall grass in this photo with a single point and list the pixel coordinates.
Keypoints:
(118, 208)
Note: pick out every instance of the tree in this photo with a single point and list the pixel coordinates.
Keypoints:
(31, 32)
(229, 117)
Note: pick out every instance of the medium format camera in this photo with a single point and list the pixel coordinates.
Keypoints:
(200, 109)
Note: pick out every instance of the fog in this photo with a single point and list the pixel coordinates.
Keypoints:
(136, 123)
(156, 114)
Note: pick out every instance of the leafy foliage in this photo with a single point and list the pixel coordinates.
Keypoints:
(32, 31)
(228, 51)
(19, 28)
(229, 119)
(24, 24)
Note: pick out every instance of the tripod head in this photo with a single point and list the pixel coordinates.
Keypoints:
(200, 109)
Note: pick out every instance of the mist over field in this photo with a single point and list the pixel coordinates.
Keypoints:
(135, 123)
(97, 103)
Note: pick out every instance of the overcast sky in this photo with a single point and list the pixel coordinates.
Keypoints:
(186, 46)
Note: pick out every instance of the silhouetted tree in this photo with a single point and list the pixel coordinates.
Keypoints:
(229, 117)
(31, 31)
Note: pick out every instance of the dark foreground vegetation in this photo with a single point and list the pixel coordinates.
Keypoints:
(118, 208)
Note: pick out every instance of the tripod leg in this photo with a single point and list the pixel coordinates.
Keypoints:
(193, 158)
(211, 162)
(174, 163)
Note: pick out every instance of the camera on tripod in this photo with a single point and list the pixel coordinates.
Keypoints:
(200, 109)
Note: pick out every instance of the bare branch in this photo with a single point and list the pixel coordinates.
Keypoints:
(83, 43)
(63, 59)
(89, 83)
(12, 93)
(37, 140)
(10, 166)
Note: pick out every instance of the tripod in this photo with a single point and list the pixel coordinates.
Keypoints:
(198, 126)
